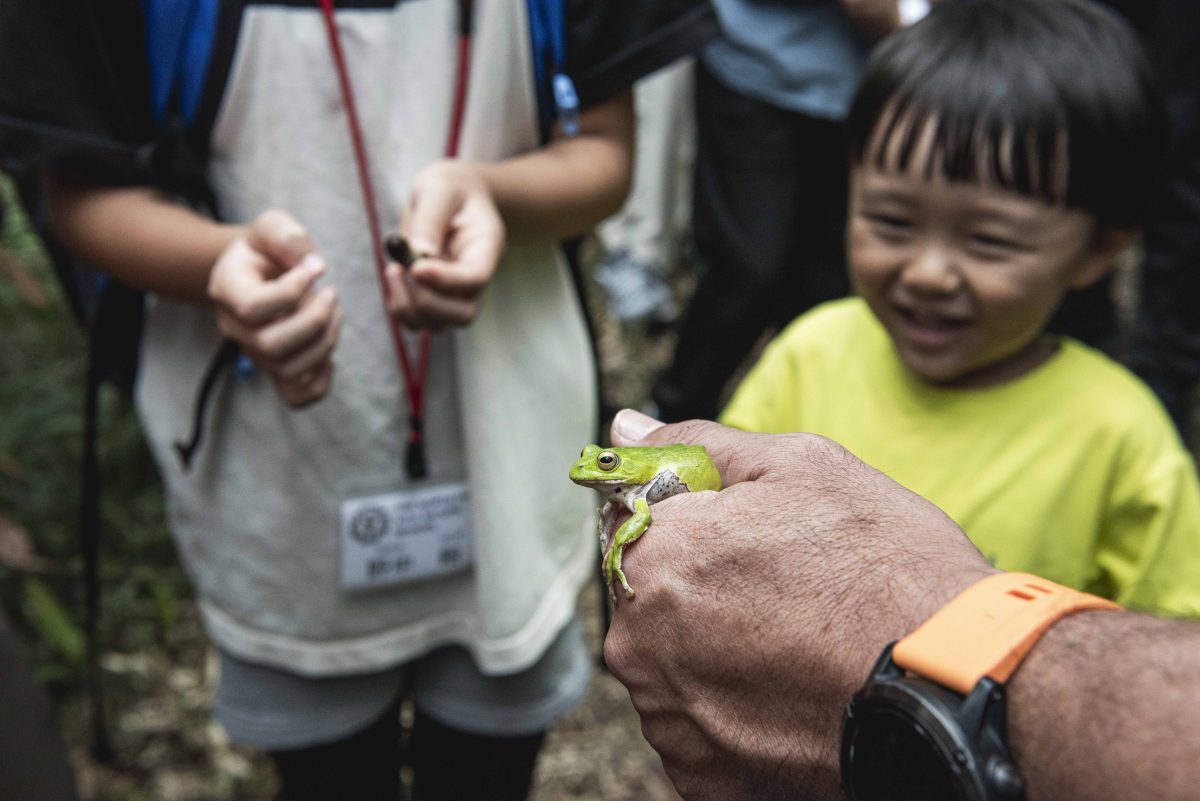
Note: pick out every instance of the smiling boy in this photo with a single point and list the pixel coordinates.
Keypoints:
(1003, 152)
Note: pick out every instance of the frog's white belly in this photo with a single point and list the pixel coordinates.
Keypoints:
(663, 485)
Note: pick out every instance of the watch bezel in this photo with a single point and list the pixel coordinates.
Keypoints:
(966, 733)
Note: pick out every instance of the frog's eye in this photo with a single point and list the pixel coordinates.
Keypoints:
(608, 460)
(582, 452)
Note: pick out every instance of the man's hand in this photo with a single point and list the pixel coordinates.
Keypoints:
(263, 287)
(762, 607)
(452, 224)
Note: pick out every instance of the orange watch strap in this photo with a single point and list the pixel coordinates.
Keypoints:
(988, 629)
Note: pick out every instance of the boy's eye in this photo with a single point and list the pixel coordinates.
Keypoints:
(989, 246)
(889, 224)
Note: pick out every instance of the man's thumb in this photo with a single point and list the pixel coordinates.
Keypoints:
(629, 427)
(740, 456)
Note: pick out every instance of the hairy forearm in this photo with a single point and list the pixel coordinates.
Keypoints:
(573, 183)
(138, 236)
(833, 561)
(1107, 706)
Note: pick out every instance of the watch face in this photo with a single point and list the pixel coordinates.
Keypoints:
(894, 758)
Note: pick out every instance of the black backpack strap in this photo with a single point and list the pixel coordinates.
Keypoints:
(89, 535)
(224, 358)
(118, 313)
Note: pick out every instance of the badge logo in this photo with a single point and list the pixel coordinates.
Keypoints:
(369, 525)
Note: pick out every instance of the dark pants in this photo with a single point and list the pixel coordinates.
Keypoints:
(447, 764)
(769, 209)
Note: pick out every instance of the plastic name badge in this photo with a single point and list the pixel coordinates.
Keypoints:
(403, 536)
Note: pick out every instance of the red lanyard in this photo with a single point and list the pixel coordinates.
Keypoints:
(414, 380)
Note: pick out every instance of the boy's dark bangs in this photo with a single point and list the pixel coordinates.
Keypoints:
(1051, 99)
(961, 129)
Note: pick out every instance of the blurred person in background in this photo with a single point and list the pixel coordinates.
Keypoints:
(642, 241)
(769, 184)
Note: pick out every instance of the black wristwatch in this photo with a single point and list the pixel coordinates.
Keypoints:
(906, 738)
(929, 725)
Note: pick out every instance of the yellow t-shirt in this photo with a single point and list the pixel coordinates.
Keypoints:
(1072, 471)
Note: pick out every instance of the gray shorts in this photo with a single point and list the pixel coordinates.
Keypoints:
(274, 710)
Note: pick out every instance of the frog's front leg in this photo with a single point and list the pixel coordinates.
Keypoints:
(632, 528)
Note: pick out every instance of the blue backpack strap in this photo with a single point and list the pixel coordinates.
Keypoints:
(179, 45)
(557, 99)
(180, 35)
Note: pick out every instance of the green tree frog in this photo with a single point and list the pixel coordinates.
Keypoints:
(636, 478)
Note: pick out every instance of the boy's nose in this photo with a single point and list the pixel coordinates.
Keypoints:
(932, 271)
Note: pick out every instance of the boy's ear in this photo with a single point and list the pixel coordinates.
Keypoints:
(1102, 255)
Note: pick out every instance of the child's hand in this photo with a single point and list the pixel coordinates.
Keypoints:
(263, 288)
(451, 222)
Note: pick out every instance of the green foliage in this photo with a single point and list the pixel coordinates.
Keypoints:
(42, 366)
(45, 613)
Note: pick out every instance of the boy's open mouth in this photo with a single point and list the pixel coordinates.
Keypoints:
(930, 319)
(930, 328)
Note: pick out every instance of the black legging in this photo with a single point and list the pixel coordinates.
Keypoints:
(448, 765)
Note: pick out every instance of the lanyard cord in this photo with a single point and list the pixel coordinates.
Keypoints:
(414, 380)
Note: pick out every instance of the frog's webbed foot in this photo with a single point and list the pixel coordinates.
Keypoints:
(633, 528)
(612, 569)
(606, 569)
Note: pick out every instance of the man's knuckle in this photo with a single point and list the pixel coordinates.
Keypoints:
(617, 653)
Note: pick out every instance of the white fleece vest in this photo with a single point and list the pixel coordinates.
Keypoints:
(510, 399)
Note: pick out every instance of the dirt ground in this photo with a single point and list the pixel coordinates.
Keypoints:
(598, 752)
(169, 750)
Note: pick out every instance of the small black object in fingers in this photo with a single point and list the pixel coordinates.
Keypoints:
(398, 250)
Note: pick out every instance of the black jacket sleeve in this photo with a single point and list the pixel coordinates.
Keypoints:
(610, 44)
